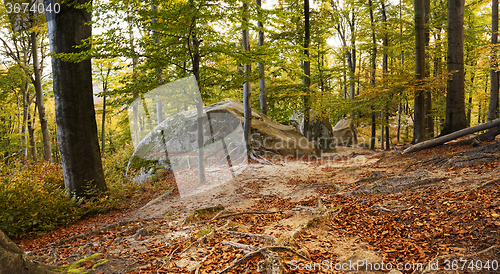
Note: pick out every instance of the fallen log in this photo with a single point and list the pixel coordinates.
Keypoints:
(452, 136)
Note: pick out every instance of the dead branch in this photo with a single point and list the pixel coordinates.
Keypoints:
(381, 208)
(263, 237)
(452, 136)
(492, 183)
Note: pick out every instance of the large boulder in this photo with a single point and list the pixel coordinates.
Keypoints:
(344, 133)
(222, 121)
(320, 129)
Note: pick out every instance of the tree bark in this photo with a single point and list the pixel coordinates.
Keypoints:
(455, 98)
(493, 106)
(103, 125)
(452, 136)
(73, 95)
(429, 121)
(307, 70)
(247, 108)
(13, 260)
(47, 148)
(24, 145)
(196, 57)
(262, 76)
(419, 103)
(31, 133)
(373, 60)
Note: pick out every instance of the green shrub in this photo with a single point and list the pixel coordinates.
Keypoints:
(33, 199)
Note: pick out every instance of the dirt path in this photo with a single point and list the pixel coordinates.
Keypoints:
(354, 206)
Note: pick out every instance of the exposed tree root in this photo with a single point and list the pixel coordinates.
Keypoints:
(275, 265)
(100, 230)
(259, 159)
(201, 263)
(245, 247)
(170, 256)
(245, 213)
(262, 237)
(205, 237)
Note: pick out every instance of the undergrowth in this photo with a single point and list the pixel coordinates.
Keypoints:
(33, 198)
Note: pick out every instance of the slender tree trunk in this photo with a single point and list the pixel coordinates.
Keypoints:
(400, 106)
(39, 100)
(374, 130)
(469, 111)
(135, 108)
(398, 131)
(373, 72)
(246, 87)
(455, 98)
(382, 133)
(103, 125)
(262, 78)
(160, 113)
(387, 137)
(31, 133)
(74, 106)
(419, 112)
(493, 106)
(25, 120)
(199, 111)
(385, 70)
(307, 70)
(429, 121)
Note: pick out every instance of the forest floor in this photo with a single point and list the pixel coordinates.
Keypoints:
(363, 212)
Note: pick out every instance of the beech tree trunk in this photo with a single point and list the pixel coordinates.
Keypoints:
(74, 102)
(196, 57)
(455, 96)
(262, 78)
(13, 260)
(429, 121)
(373, 60)
(493, 107)
(419, 103)
(247, 108)
(307, 70)
(37, 82)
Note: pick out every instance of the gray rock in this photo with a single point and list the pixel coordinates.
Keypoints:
(344, 133)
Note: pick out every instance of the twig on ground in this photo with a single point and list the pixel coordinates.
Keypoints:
(264, 237)
(381, 208)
